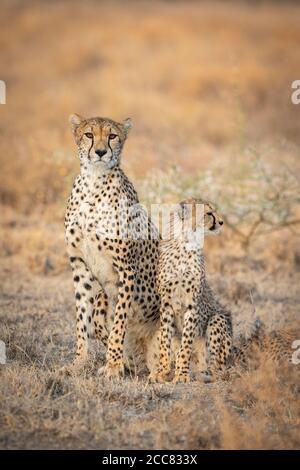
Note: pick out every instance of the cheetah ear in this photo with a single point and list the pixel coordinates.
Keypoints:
(75, 120)
(182, 210)
(127, 124)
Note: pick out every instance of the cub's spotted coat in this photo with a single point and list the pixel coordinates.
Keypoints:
(276, 346)
(188, 304)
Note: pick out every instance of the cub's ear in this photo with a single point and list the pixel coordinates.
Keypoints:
(183, 209)
(127, 123)
(75, 120)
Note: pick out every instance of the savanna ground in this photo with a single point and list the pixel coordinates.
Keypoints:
(208, 86)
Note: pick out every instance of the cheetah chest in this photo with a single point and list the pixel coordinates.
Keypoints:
(180, 282)
(85, 224)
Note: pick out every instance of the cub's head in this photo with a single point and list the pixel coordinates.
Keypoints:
(99, 140)
(197, 214)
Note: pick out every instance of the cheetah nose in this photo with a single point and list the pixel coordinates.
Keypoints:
(100, 153)
(221, 222)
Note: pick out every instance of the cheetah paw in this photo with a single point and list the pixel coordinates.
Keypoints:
(181, 378)
(112, 371)
(159, 377)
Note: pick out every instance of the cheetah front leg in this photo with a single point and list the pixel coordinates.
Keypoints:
(183, 356)
(86, 287)
(114, 357)
(99, 317)
(166, 333)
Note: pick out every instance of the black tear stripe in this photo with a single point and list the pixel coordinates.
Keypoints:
(214, 223)
(112, 154)
(91, 148)
(110, 147)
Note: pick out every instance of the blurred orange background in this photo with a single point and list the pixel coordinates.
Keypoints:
(200, 80)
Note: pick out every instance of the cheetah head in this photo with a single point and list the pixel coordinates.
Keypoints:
(99, 140)
(200, 215)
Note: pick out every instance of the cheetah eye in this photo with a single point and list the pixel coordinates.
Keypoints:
(89, 135)
(112, 136)
(209, 213)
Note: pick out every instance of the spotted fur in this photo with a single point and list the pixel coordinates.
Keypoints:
(114, 272)
(188, 305)
(275, 346)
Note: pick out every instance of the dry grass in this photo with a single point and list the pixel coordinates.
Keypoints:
(203, 83)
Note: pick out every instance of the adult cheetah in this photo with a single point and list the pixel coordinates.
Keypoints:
(112, 246)
(188, 305)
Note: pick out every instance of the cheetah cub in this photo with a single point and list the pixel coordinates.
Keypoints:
(189, 307)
